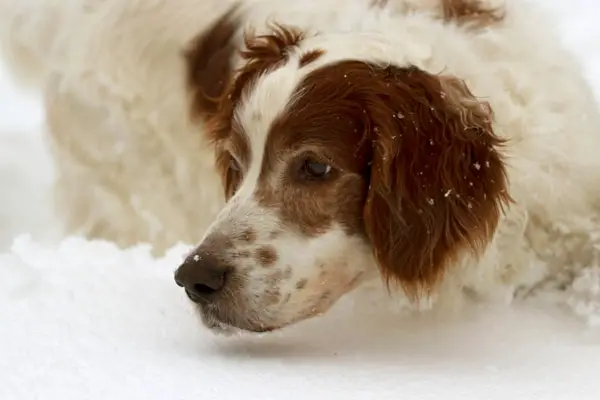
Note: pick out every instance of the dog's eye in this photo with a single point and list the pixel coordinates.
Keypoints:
(314, 169)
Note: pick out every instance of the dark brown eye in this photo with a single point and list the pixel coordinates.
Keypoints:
(316, 170)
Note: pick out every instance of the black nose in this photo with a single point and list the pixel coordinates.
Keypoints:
(202, 276)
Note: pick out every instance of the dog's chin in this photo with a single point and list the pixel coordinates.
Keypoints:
(217, 325)
(224, 321)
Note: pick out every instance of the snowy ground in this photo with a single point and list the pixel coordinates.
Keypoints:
(83, 320)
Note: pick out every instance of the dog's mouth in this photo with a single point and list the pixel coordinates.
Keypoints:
(226, 322)
(226, 319)
(194, 298)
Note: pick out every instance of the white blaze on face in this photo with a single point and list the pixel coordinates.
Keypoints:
(267, 99)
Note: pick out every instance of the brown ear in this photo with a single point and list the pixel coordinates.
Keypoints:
(438, 182)
(209, 62)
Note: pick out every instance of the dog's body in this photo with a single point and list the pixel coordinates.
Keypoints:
(132, 166)
(135, 167)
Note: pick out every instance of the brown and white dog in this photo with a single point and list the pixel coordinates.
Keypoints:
(446, 146)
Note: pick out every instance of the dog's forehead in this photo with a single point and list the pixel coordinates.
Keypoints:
(295, 107)
(269, 97)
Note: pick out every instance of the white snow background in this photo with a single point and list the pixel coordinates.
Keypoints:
(84, 320)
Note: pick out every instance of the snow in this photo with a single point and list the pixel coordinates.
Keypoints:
(84, 320)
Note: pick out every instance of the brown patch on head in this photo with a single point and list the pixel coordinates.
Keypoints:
(269, 51)
(471, 12)
(416, 166)
(266, 256)
(318, 129)
(208, 59)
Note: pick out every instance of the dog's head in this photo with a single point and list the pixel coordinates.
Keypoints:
(336, 168)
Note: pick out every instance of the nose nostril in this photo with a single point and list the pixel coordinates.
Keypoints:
(202, 279)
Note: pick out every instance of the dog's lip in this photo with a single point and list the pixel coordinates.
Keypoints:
(193, 297)
(229, 328)
(214, 322)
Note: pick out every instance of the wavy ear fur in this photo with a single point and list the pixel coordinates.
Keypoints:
(438, 181)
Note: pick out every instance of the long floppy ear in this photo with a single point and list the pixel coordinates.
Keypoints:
(209, 62)
(438, 181)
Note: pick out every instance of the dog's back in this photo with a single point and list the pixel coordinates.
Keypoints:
(134, 167)
(113, 79)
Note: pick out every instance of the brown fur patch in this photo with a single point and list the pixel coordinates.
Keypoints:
(310, 56)
(417, 168)
(266, 256)
(208, 61)
(470, 12)
(328, 132)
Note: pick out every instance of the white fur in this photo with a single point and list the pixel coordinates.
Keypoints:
(134, 168)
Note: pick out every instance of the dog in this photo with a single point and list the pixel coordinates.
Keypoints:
(445, 148)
